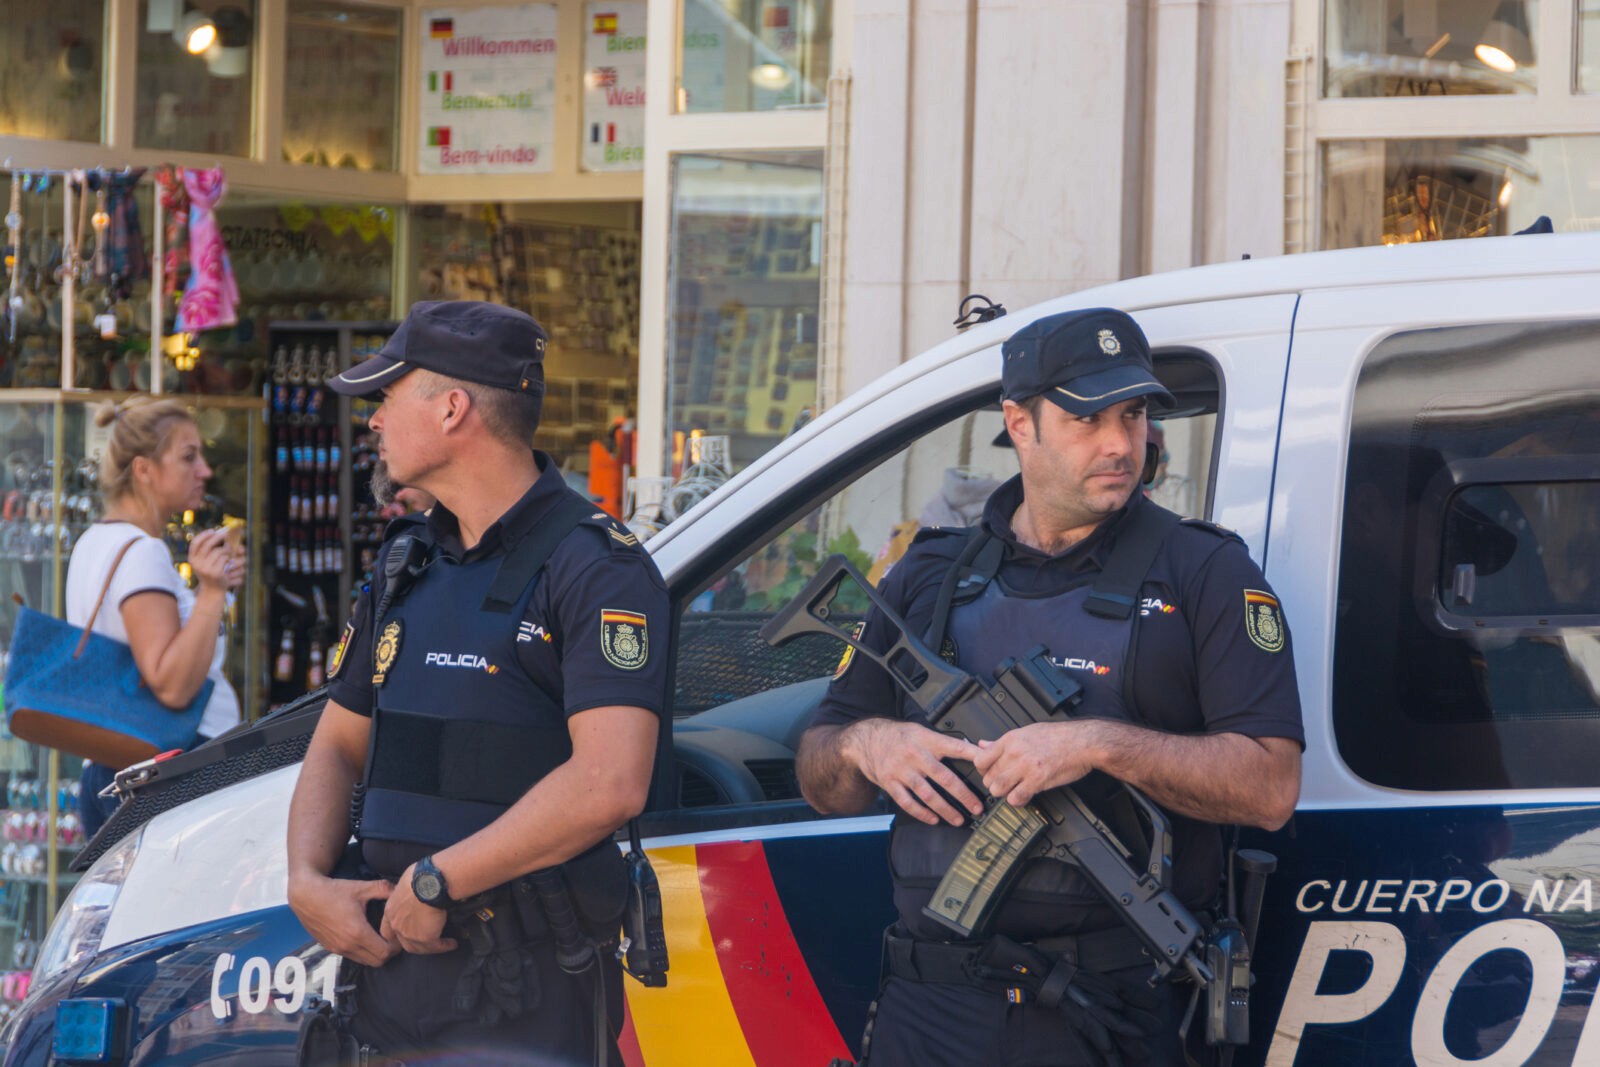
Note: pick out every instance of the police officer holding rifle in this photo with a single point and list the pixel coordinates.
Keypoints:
(492, 719)
(1188, 695)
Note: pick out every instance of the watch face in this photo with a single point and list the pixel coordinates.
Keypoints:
(427, 886)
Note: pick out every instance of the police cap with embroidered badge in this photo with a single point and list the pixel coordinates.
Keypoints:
(1082, 360)
(467, 339)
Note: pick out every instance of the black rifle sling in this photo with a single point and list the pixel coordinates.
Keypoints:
(1115, 593)
(974, 569)
(529, 555)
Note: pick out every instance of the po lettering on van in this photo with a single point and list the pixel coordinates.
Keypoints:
(1384, 944)
(261, 984)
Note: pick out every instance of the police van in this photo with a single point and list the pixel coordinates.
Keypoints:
(1407, 439)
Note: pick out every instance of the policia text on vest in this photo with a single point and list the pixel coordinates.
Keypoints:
(1058, 825)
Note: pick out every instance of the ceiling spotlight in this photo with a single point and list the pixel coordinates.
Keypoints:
(770, 76)
(195, 32)
(229, 54)
(1506, 43)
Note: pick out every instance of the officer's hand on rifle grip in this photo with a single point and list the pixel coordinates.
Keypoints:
(905, 760)
(1032, 759)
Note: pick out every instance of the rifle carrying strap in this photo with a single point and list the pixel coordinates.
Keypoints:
(1115, 593)
(974, 569)
(529, 555)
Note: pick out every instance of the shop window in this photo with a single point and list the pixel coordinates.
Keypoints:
(196, 76)
(1401, 191)
(294, 262)
(341, 85)
(575, 268)
(1428, 47)
(745, 286)
(1465, 651)
(753, 55)
(1589, 46)
(52, 64)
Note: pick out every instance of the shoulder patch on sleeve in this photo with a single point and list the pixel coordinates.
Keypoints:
(1212, 528)
(624, 638)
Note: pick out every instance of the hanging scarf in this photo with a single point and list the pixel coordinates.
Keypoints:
(211, 299)
(125, 258)
(175, 207)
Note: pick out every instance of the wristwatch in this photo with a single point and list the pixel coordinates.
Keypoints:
(427, 882)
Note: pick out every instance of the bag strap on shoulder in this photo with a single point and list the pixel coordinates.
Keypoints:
(88, 627)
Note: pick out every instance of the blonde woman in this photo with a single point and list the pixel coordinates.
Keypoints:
(152, 468)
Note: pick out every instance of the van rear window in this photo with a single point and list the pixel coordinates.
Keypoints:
(1467, 639)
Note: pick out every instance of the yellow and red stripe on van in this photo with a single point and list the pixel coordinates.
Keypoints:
(739, 990)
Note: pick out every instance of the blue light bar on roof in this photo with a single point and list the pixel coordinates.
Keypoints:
(90, 1030)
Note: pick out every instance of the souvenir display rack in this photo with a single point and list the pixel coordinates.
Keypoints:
(326, 524)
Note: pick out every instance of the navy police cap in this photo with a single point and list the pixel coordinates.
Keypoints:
(1082, 360)
(467, 339)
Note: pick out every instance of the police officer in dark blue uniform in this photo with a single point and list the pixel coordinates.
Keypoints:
(1190, 698)
(493, 707)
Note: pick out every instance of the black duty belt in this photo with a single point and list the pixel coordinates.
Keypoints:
(950, 962)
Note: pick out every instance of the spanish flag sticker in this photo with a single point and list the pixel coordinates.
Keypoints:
(337, 659)
(1263, 620)
(624, 640)
(849, 652)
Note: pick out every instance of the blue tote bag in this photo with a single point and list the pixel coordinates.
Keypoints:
(78, 691)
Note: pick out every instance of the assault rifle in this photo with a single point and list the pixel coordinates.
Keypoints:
(1058, 824)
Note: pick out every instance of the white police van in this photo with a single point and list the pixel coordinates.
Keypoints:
(1409, 441)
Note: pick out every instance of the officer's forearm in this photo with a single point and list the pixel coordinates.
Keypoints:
(830, 780)
(319, 814)
(1221, 778)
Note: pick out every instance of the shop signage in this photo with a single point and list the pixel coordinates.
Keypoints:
(488, 90)
(613, 85)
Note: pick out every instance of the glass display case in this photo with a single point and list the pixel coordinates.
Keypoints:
(326, 523)
(48, 475)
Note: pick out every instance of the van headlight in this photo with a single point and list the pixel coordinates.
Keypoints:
(81, 923)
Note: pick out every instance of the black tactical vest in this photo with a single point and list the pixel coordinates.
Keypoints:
(1049, 897)
(460, 730)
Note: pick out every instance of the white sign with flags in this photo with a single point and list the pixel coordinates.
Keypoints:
(488, 90)
(613, 85)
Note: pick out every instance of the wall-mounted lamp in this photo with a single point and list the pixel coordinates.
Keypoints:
(1505, 43)
(195, 32)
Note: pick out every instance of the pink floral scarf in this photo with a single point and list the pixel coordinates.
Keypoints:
(211, 298)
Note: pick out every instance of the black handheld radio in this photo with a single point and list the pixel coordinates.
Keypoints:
(643, 949)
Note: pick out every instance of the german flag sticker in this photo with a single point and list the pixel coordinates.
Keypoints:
(1263, 620)
(623, 639)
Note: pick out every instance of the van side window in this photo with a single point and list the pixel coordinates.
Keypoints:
(730, 684)
(1467, 640)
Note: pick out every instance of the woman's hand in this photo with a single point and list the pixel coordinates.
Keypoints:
(214, 562)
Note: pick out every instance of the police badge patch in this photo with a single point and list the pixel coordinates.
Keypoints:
(623, 639)
(384, 653)
(1263, 620)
